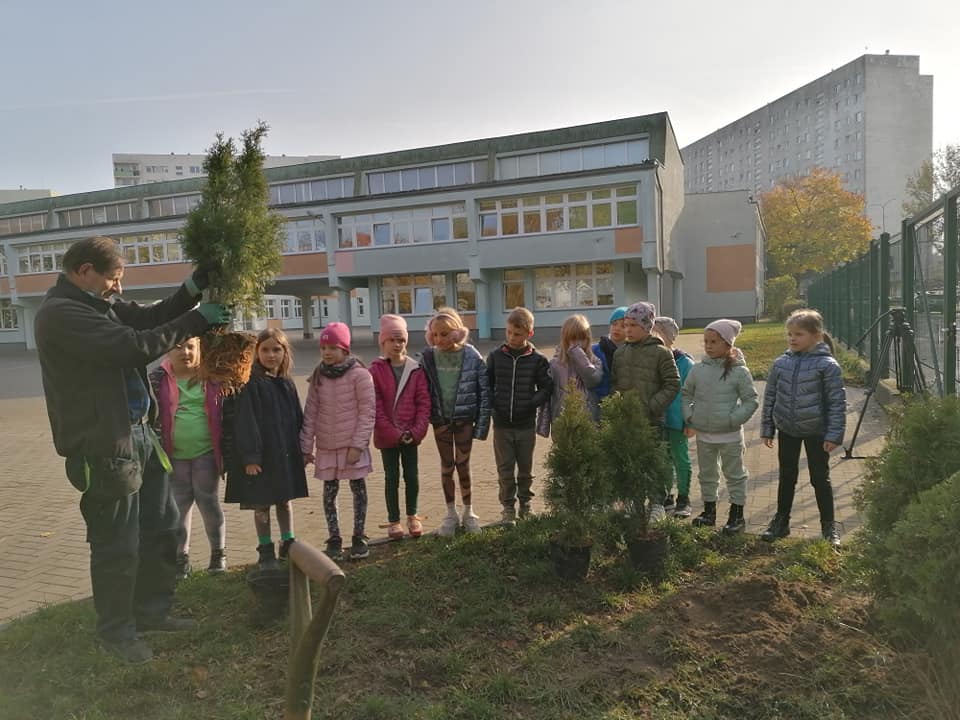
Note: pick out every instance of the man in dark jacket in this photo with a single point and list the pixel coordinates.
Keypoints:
(519, 384)
(93, 350)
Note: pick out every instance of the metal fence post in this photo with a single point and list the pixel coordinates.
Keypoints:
(907, 242)
(884, 295)
(873, 288)
(951, 238)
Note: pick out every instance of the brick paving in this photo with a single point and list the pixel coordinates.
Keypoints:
(44, 558)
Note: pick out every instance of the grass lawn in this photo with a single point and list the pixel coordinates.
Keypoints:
(764, 342)
(479, 627)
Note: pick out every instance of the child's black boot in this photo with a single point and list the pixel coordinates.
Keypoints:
(708, 518)
(268, 557)
(682, 508)
(334, 548)
(735, 522)
(778, 528)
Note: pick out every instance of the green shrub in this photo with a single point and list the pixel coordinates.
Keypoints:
(572, 488)
(634, 460)
(791, 304)
(922, 449)
(923, 565)
(776, 291)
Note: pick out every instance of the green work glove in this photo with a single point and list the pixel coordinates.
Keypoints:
(199, 280)
(215, 313)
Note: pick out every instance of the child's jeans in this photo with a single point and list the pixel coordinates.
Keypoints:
(392, 459)
(728, 456)
(513, 449)
(197, 481)
(359, 489)
(454, 443)
(818, 461)
(680, 457)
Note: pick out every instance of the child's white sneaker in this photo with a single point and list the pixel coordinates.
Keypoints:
(471, 523)
(449, 525)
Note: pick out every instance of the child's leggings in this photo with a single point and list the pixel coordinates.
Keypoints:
(359, 489)
(818, 460)
(454, 442)
(197, 481)
(392, 459)
(680, 456)
(711, 457)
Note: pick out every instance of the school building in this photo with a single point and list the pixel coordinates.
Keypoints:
(578, 219)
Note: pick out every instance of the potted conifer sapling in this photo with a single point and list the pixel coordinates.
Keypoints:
(636, 467)
(233, 232)
(572, 488)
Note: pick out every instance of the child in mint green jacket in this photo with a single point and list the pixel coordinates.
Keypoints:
(718, 398)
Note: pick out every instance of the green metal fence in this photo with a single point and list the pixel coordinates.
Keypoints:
(915, 270)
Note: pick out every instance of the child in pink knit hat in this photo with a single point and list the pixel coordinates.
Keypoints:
(403, 415)
(338, 420)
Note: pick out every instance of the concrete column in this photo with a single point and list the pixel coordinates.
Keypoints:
(344, 313)
(27, 313)
(484, 310)
(678, 299)
(306, 312)
(654, 288)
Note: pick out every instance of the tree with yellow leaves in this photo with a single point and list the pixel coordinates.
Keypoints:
(813, 224)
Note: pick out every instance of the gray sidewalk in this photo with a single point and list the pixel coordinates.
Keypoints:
(44, 558)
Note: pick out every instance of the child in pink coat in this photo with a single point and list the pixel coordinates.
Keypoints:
(403, 415)
(338, 421)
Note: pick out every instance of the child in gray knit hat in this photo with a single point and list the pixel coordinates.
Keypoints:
(645, 365)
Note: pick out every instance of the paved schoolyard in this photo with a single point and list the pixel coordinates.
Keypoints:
(44, 559)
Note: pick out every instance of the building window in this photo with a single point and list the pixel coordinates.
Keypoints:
(591, 157)
(412, 294)
(284, 308)
(557, 212)
(23, 224)
(859, 116)
(297, 308)
(427, 178)
(466, 293)
(583, 285)
(97, 215)
(151, 248)
(172, 206)
(8, 316)
(305, 236)
(312, 191)
(42, 257)
(442, 223)
(513, 295)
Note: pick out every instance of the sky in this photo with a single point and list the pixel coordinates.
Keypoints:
(81, 81)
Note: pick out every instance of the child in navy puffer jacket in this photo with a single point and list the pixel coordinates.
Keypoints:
(805, 403)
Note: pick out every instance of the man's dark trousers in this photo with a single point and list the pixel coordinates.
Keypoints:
(133, 548)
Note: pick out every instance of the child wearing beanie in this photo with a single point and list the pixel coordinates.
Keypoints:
(460, 410)
(645, 365)
(402, 417)
(606, 347)
(667, 330)
(718, 398)
(338, 420)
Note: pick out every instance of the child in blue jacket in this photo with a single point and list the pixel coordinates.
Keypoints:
(667, 330)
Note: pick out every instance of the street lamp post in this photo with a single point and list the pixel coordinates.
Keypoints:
(883, 212)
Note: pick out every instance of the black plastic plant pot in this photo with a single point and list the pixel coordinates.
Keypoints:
(271, 594)
(570, 562)
(649, 554)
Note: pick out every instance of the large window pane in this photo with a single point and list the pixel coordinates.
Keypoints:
(459, 228)
(424, 301)
(381, 233)
(346, 236)
(510, 223)
(405, 301)
(463, 173)
(627, 212)
(287, 194)
(563, 293)
(441, 229)
(615, 154)
(466, 294)
(513, 295)
(508, 168)
(421, 231)
(578, 217)
(391, 182)
(593, 157)
(637, 151)
(602, 216)
(445, 176)
(439, 284)
(427, 178)
(335, 188)
(549, 163)
(605, 290)
(409, 179)
(509, 275)
(528, 166)
(531, 222)
(480, 171)
(554, 219)
(488, 225)
(401, 233)
(318, 189)
(584, 292)
(570, 160)
(544, 297)
(364, 235)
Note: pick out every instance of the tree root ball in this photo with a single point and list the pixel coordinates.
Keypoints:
(227, 359)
